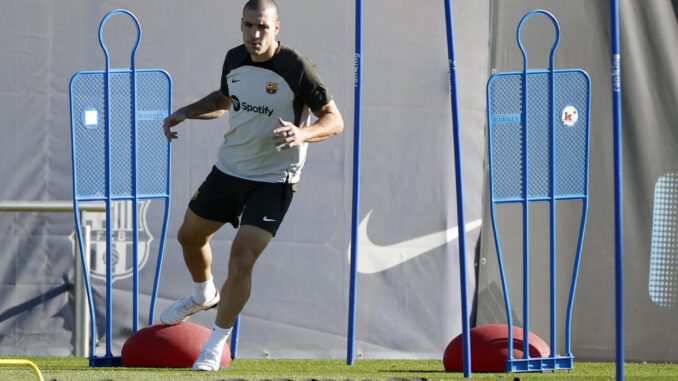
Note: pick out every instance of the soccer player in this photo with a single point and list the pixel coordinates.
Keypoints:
(267, 88)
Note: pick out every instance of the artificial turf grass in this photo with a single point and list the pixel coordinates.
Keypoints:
(77, 369)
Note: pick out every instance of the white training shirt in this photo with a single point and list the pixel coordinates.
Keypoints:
(285, 86)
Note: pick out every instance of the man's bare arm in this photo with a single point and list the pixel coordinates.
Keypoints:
(329, 123)
(212, 106)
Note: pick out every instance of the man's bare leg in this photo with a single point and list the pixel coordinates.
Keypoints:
(247, 246)
(194, 236)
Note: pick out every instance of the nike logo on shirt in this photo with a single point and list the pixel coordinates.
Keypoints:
(266, 219)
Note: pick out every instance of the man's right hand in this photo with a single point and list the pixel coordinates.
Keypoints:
(171, 121)
(213, 105)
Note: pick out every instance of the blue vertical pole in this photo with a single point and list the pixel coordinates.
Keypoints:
(355, 215)
(235, 332)
(618, 187)
(465, 325)
(526, 205)
(109, 212)
(109, 186)
(163, 239)
(135, 186)
(552, 203)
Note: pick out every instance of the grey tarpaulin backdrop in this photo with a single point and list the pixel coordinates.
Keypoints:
(298, 308)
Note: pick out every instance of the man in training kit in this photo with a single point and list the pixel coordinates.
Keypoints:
(268, 87)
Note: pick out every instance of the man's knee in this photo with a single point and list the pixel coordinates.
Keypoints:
(238, 268)
(195, 231)
(189, 238)
(242, 261)
(247, 246)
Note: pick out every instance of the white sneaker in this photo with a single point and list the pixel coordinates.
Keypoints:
(209, 360)
(180, 311)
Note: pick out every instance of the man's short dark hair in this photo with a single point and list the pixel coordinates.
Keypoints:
(261, 6)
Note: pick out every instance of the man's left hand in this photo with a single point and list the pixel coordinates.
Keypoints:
(287, 135)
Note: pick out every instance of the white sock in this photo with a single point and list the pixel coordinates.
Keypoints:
(204, 291)
(217, 339)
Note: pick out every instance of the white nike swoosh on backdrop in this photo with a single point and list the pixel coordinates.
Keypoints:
(373, 258)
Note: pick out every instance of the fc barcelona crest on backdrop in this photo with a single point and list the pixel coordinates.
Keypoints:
(272, 87)
(122, 240)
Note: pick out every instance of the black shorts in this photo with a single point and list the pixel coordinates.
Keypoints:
(225, 198)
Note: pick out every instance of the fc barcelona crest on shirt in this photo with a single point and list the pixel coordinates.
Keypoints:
(272, 87)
